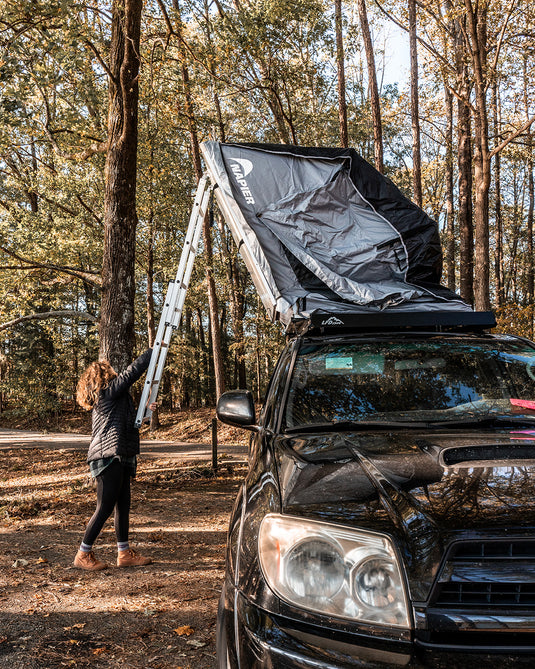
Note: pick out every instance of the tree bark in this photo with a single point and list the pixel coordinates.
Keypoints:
(464, 163)
(498, 225)
(530, 271)
(120, 217)
(372, 83)
(415, 118)
(476, 22)
(450, 213)
(340, 66)
(466, 234)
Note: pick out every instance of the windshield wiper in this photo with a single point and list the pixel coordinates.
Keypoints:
(348, 425)
(364, 425)
(484, 421)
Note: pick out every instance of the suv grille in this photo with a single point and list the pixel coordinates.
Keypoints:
(488, 574)
(487, 594)
(488, 550)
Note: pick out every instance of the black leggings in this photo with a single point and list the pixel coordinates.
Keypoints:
(113, 492)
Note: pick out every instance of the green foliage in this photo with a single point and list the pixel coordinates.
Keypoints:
(259, 70)
(516, 319)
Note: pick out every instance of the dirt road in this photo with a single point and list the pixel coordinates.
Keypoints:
(159, 617)
(178, 451)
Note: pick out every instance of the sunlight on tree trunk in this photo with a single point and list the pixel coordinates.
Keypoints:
(415, 118)
(342, 106)
(120, 217)
(372, 83)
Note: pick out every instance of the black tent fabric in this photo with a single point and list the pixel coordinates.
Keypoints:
(418, 231)
(329, 232)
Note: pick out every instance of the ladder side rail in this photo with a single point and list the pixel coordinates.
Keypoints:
(155, 386)
(174, 302)
(182, 283)
(163, 324)
(200, 202)
(175, 321)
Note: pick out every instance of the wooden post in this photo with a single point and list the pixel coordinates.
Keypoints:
(214, 444)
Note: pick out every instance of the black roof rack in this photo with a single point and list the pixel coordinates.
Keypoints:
(439, 321)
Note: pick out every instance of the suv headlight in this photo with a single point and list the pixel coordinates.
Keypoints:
(333, 570)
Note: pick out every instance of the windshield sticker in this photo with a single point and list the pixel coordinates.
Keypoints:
(338, 362)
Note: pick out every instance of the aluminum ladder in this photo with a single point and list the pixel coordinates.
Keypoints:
(174, 301)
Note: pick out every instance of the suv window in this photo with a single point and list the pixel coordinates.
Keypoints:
(405, 379)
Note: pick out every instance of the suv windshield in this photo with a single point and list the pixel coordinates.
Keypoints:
(411, 379)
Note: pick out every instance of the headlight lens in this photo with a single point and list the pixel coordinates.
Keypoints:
(374, 582)
(333, 570)
(315, 569)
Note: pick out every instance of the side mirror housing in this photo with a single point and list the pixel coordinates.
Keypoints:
(236, 407)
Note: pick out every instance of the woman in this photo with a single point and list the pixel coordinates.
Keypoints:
(112, 455)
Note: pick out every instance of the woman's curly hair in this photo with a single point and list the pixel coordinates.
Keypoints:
(95, 377)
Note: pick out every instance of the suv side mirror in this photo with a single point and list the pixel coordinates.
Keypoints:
(236, 407)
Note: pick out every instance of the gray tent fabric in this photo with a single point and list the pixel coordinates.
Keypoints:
(328, 232)
(334, 233)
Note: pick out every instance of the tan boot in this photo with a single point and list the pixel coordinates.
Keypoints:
(129, 558)
(88, 561)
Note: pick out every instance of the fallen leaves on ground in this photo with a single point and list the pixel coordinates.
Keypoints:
(162, 616)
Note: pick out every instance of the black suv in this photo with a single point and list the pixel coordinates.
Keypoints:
(387, 517)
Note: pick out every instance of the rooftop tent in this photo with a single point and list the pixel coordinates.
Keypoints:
(322, 232)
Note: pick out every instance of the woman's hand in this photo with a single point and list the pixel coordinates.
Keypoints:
(153, 406)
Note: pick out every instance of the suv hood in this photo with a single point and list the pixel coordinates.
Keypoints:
(425, 491)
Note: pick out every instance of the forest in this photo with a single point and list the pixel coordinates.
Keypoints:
(103, 106)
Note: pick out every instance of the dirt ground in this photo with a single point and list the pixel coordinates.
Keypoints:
(159, 617)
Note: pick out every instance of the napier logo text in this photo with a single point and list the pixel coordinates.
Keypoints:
(241, 167)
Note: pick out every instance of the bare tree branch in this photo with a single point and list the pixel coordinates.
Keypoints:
(89, 277)
(501, 36)
(512, 136)
(67, 313)
(97, 218)
(101, 61)
(431, 49)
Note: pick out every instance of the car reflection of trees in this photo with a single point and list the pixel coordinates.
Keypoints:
(493, 493)
(463, 378)
(349, 397)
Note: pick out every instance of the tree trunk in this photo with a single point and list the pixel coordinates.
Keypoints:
(450, 213)
(476, 21)
(498, 232)
(530, 278)
(415, 119)
(372, 83)
(466, 234)
(342, 106)
(464, 163)
(120, 217)
(213, 73)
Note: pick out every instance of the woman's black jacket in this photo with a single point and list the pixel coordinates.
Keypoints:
(113, 417)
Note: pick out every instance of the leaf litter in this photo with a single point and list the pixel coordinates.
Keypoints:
(157, 617)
